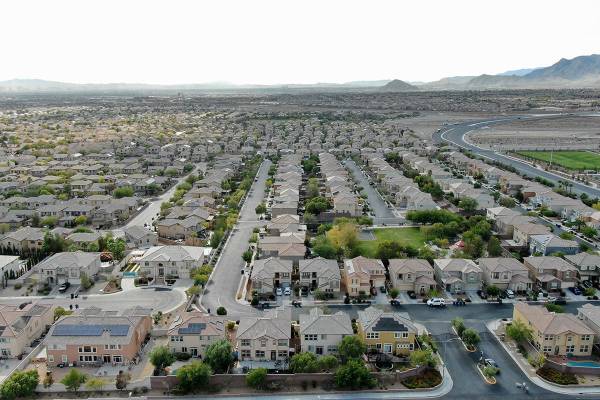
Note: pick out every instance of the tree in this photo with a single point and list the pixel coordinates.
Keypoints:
(312, 188)
(86, 282)
(394, 293)
(589, 232)
(507, 202)
(423, 357)
(317, 205)
(519, 331)
(328, 362)
(343, 237)
(306, 362)
(489, 371)
(494, 248)
(493, 291)
(323, 248)
(125, 191)
(193, 376)
(351, 347)
(19, 384)
(247, 256)
(473, 245)
(80, 220)
(256, 378)
(261, 208)
(459, 325)
(95, 383)
(537, 361)
(122, 380)
(116, 247)
(59, 312)
(161, 357)
(219, 356)
(471, 338)
(354, 375)
(73, 380)
(468, 204)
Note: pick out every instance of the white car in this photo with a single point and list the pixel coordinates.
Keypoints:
(287, 291)
(278, 291)
(510, 294)
(436, 302)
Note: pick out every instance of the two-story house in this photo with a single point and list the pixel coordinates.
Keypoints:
(362, 274)
(505, 273)
(265, 338)
(321, 333)
(387, 332)
(457, 275)
(551, 273)
(271, 273)
(194, 332)
(412, 275)
(320, 274)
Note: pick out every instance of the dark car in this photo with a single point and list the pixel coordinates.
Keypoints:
(561, 301)
(575, 290)
(394, 303)
(489, 362)
(304, 291)
(382, 289)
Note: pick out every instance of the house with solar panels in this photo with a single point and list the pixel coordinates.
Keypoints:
(99, 339)
(387, 332)
(194, 332)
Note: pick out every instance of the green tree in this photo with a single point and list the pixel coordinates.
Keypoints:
(80, 220)
(219, 356)
(507, 202)
(468, 204)
(256, 378)
(459, 325)
(122, 380)
(494, 248)
(59, 312)
(73, 380)
(317, 205)
(328, 362)
(161, 357)
(193, 377)
(351, 347)
(306, 362)
(95, 383)
(394, 293)
(19, 384)
(261, 208)
(86, 282)
(493, 291)
(312, 188)
(423, 357)
(323, 248)
(589, 232)
(125, 191)
(519, 331)
(471, 338)
(354, 375)
(116, 247)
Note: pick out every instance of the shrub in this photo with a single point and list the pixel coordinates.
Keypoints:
(423, 357)
(180, 356)
(471, 338)
(256, 378)
(428, 379)
(19, 384)
(354, 375)
(221, 311)
(459, 325)
(193, 376)
(328, 363)
(561, 378)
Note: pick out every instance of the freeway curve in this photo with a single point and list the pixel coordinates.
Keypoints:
(455, 134)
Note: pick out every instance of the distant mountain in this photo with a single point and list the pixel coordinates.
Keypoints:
(398, 86)
(578, 68)
(518, 72)
(450, 83)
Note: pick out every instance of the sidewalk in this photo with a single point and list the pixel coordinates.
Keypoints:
(534, 378)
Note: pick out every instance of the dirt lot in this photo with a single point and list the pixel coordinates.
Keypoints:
(427, 123)
(564, 133)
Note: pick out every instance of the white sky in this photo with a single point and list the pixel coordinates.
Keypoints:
(284, 41)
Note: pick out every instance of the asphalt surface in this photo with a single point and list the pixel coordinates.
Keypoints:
(455, 134)
(221, 290)
(383, 214)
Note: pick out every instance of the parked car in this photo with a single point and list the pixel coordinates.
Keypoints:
(304, 291)
(394, 303)
(561, 301)
(551, 299)
(436, 302)
(489, 362)
(287, 291)
(575, 290)
(382, 289)
(482, 294)
(63, 287)
(510, 294)
(279, 291)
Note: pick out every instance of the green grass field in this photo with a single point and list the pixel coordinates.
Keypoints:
(407, 236)
(573, 160)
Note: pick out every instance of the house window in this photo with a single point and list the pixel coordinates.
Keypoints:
(570, 348)
(585, 337)
(246, 354)
(548, 337)
(584, 348)
(311, 337)
(398, 335)
(282, 342)
(372, 335)
(547, 349)
(259, 354)
(117, 359)
(332, 349)
(263, 343)
(245, 342)
(569, 338)
(282, 354)
(319, 350)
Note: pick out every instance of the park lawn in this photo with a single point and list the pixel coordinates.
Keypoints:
(406, 236)
(573, 160)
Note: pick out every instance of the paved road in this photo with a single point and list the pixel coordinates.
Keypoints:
(455, 134)
(223, 286)
(151, 211)
(383, 214)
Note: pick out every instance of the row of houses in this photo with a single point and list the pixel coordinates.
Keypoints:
(338, 187)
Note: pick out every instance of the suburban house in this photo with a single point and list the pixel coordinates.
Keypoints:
(457, 275)
(590, 315)
(139, 237)
(265, 338)
(362, 274)
(21, 325)
(97, 339)
(68, 266)
(523, 232)
(551, 273)
(10, 268)
(23, 239)
(550, 244)
(321, 333)
(320, 274)
(285, 223)
(386, 332)
(170, 261)
(587, 264)
(194, 332)
(173, 228)
(555, 333)
(271, 273)
(414, 275)
(505, 273)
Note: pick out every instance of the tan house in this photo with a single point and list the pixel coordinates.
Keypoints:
(505, 273)
(554, 333)
(522, 232)
(322, 333)
(21, 326)
(457, 275)
(265, 338)
(271, 273)
(194, 332)
(170, 261)
(387, 332)
(97, 339)
(412, 275)
(587, 264)
(362, 274)
(320, 274)
(68, 266)
(551, 273)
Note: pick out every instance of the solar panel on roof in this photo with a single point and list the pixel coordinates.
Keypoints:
(192, 328)
(90, 330)
(388, 324)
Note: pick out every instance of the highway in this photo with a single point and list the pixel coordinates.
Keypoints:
(455, 134)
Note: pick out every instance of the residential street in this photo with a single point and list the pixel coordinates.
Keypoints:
(221, 289)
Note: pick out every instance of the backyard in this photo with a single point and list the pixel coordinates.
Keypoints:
(573, 160)
(406, 236)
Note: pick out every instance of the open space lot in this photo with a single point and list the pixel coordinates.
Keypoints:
(406, 236)
(573, 160)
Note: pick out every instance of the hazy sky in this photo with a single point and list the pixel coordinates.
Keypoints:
(281, 41)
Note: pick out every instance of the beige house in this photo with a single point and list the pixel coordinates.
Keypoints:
(170, 261)
(362, 274)
(551, 273)
(457, 275)
(412, 275)
(265, 338)
(320, 273)
(321, 333)
(179, 228)
(523, 232)
(554, 333)
(271, 273)
(23, 239)
(387, 332)
(68, 266)
(587, 264)
(194, 332)
(505, 273)
(21, 326)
